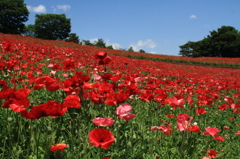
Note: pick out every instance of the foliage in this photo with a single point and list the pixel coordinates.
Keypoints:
(73, 38)
(29, 30)
(100, 43)
(13, 14)
(130, 49)
(225, 42)
(87, 42)
(110, 47)
(52, 26)
(141, 50)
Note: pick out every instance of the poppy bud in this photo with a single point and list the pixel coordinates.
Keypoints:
(49, 129)
(9, 119)
(129, 144)
(134, 136)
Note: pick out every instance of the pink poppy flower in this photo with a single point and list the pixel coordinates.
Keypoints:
(65, 74)
(183, 121)
(97, 77)
(127, 116)
(211, 131)
(103, 121)
(165, 129)
(175, 101)
(123, 109)
(123, 112)
(50, 65)
(53, 72)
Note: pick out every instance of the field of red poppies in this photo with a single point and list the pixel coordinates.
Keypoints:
(63, 100)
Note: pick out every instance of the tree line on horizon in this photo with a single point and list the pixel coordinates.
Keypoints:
(223, 42)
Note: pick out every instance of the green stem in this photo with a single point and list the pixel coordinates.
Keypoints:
(182, 144)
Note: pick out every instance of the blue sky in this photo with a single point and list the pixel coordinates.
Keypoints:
(156, 26)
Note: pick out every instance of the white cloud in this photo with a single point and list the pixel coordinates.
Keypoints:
(93, 40)
(153, 52)
(114, 45)
(38, 9)
(61, 7)
(140, 44)
(193, 17)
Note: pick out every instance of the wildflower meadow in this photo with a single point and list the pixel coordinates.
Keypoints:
(61, 100)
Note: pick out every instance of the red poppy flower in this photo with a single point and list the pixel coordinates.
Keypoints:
(116, 98)
(58, 147)
(194, 128)
(226, 127)
(212, 153)
(237, 133)
(231, 118)
(219, 138)
(51, 84)
(51, 108)
(170, 115)
(100, 55)
(72, 101)
(102, 138)
(200, 111)
(17, 108)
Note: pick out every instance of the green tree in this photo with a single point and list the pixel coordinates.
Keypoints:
(73, 38)
(87, 42)
(189, 49)
(29, 30)
(13, 14)
(100, 43)
(130, 49)
(141, 50)
(110, 47)
(223, 42)
(52, 26)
